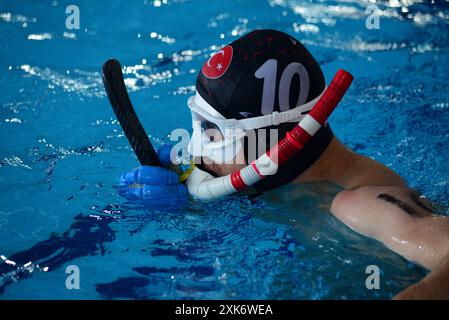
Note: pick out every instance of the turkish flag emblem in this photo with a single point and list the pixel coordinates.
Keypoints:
(217, 65)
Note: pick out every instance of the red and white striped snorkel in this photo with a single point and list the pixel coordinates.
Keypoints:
(204, 186)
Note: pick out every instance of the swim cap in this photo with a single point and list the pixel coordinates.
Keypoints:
(235, 80)
(264, 72)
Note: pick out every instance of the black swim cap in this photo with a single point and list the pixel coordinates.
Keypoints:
(263, 72)
(233, 80)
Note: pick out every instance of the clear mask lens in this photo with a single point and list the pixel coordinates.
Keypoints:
(210, 141)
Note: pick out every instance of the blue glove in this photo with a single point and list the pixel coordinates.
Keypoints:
(157, 187)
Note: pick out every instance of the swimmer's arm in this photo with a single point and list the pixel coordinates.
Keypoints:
(405, 223)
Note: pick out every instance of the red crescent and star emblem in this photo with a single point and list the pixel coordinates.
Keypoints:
(218, 64)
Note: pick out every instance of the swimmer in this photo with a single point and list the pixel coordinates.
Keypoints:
(249, 96)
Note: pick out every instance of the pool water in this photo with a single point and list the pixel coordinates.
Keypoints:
(61, 151)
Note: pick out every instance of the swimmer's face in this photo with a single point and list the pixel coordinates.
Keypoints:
(220, 169)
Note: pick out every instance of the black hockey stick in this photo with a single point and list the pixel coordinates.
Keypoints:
(126, 116)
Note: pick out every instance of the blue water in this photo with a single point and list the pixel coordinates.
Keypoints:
(61, 150)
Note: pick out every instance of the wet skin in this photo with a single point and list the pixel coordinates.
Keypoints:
(404, 206)
(377, 202)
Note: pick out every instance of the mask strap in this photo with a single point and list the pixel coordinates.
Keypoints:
(273, 119)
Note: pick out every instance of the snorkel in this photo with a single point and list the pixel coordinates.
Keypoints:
(203, 186)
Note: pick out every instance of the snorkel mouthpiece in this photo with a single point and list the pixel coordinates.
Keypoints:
(204, 186)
